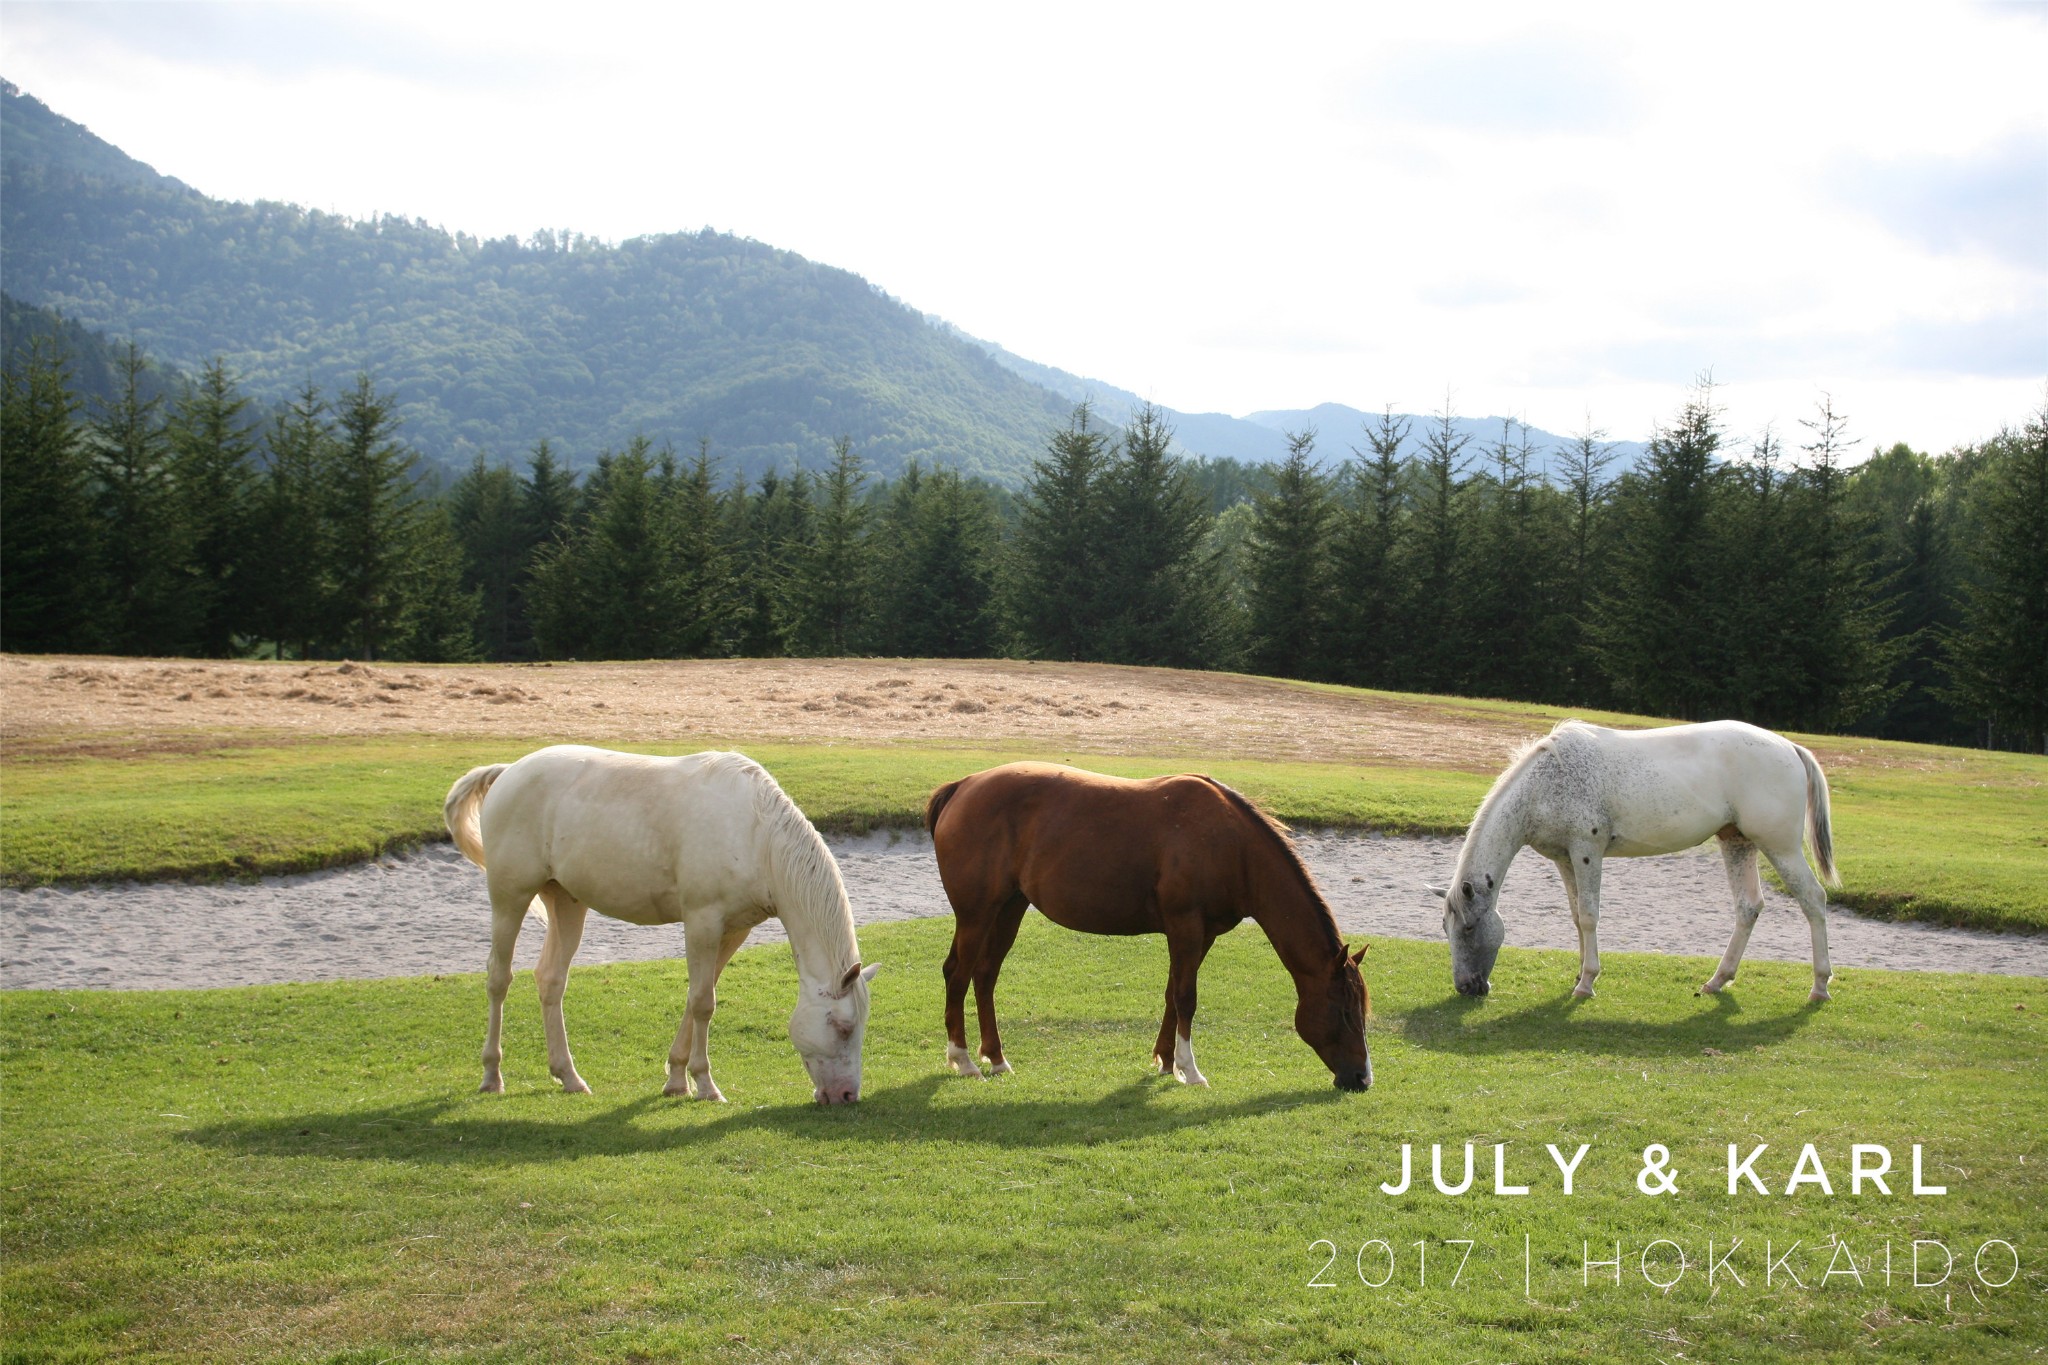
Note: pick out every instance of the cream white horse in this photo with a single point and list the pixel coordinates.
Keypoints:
(708, 841)
(1583, 793)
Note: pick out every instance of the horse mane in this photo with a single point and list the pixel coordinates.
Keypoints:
(1523, 757)
(805, 876)
(1282, 838)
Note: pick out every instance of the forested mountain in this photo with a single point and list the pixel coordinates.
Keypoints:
(95, 360)
(489, 346)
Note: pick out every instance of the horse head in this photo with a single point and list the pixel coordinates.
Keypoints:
(827, 1028)
(1330, 1017)
(1475, 930)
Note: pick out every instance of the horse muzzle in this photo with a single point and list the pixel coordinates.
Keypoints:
(836, 1094)
(1474, 985)
(1354, 1080)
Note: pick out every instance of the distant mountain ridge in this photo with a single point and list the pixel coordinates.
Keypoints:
(490, 346)
(1261, 437)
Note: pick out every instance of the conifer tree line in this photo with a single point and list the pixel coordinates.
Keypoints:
(1904, 596)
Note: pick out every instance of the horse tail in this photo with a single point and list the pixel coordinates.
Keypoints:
(1819, 827)
(462, 808)
(936, 806)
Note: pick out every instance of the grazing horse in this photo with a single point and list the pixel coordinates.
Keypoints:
(708, 841)
(1184, 856)
(1583, 793)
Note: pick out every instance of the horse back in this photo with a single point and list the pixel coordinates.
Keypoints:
(1094, 853)
(637, 837)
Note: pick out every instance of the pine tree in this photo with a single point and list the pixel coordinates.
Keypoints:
(491, 529)
(1288, 567)
(1439, 644)
(700, 567)
(1053, 583)
(1582, 470)
(1158, 598)
(1998, 661)
(1652, 633)
(290, 583)
(834, 575)
(1841, 662)
(50, 577)
(437, 614)
(151, 606)
(1367, 643)
(941, 594)
(212, 470)
(370, 509)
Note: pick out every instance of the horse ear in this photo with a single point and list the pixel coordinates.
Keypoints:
(1359, 956)
(868, 973)
(846, 982)
(1443, 892)
(1468, 889)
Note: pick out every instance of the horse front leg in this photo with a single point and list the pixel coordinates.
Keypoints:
(1584, 876)
(1738, 856)
(551, 974)
(1185, 954)
(1800, 881)
(689, 1059)
(508, 912)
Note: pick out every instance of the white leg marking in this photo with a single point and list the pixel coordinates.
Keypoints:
(1184, 1063)
(962, 1061)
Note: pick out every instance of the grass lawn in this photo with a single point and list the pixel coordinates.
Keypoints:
(1960, 838)
(305, 1173)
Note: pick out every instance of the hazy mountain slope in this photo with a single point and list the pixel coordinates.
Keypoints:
(492, 345)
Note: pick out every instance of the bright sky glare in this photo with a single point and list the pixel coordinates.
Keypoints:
(1551, 211)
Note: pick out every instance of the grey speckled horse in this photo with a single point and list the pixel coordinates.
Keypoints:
(1583, 793)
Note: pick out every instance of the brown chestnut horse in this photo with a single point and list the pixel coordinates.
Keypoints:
(1184, 856)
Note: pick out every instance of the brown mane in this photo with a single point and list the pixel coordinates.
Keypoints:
(1283, 839)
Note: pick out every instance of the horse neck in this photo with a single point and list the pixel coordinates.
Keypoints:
(811, 902)
(1497, 834)
(1294, 919)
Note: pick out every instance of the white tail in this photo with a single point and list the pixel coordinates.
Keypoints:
(461, 810)
(1819, 828)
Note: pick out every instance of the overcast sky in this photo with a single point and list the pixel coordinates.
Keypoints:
(1548, 211)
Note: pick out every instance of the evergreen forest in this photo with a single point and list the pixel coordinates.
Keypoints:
(1902, 595)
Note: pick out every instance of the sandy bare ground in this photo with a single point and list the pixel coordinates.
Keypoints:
(427, 913)
(126, 705)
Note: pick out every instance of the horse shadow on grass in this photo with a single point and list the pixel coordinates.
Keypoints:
(1478, 1026)
(465, 1130)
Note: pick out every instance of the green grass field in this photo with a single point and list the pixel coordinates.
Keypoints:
(1962, 839)
(304, 1173)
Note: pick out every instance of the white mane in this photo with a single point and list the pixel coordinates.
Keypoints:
(803, 875)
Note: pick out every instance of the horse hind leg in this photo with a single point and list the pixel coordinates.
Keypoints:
(551, 974)
(958, 978)
(1738, 856)
(1800, 881)
(508, 913)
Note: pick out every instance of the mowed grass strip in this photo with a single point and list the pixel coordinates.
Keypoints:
(305, 1173)
(1960, 838)
(292, 807)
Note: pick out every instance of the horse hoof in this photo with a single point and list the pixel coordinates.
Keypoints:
(1196, 1078)
(962, 1063)
(1819, 996)
(575, 1087)
(1001, 1068)
(675, 1091)
(1582, 992)
(493, 1085)
(1712, 987)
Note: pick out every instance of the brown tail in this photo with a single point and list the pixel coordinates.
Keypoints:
(936, 806)
(462, 810)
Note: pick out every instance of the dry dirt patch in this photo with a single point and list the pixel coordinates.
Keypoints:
(94, 704)
(69, 703)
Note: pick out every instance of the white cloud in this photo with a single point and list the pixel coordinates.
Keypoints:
(1338, 203)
